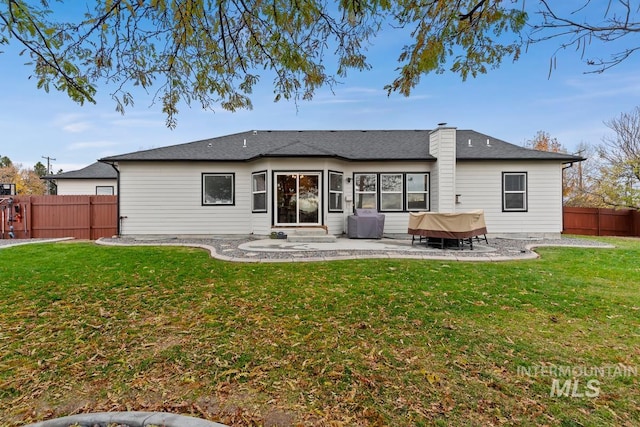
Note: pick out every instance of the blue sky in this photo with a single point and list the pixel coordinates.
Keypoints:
(512, 103)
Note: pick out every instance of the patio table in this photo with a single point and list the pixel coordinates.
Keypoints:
(461, 227)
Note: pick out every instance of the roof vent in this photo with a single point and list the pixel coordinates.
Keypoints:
(244, 143)
(470, 143)
(255, 132)
(488, 143)
(209, 145)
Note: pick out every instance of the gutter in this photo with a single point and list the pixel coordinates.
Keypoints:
(119, 222)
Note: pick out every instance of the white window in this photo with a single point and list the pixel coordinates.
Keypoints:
(514, 191)
(259, 192)
(104, 190)
(7, 189)
(365, 190)
(391, 189)
(417, 191)
(218, 189)
(336, 192)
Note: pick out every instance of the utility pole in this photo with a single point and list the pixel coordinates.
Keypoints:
(579, 153)
(48, 172)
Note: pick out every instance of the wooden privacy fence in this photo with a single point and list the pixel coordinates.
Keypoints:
(601, 222)
(92, 217)
(80, 217)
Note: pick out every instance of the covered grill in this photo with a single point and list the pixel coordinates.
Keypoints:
(366, 224)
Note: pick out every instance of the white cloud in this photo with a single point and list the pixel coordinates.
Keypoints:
(331, 101)
(363, 90)
(136, 123)
(73, 122)
(77, 127)
(597, 87)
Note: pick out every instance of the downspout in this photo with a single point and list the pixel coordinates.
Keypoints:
(119, 222)
(564, 166)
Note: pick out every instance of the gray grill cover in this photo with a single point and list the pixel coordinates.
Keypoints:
(365, 224)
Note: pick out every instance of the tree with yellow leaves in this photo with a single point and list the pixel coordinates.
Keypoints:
(26, 180)
(544, 142)
(578, 179)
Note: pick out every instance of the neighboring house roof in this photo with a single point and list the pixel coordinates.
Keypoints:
(355, 145)
(95, 170)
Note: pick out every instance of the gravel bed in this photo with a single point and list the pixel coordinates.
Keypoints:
(228, 248)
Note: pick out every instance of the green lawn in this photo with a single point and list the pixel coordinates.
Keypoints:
(364, 342)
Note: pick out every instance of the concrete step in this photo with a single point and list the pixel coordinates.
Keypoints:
(310, 235)
(317, 238)
(311, 231)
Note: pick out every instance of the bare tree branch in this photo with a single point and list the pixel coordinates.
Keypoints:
(620, 20)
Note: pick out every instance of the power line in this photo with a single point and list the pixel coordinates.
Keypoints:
(48, 163)
(48, 172)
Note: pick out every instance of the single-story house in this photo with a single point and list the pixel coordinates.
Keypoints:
(97, 178)
(257, 182)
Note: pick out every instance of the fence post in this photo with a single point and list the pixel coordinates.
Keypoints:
(90, 222)
(90, 217)
(27, 217)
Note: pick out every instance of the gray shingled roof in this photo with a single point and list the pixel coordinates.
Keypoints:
(497, 149)
(95, 170)
(348, 145)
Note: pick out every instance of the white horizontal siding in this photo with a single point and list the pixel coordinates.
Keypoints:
(336, 222)
(480, 187)
(166, 198)
(78, 187)
(396, 222)
(261, 223)
(443, 146)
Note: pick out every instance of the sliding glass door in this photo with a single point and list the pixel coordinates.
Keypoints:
(298, 198)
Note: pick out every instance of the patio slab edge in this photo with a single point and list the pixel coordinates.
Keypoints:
(130, 419)
(214, 254)
(22, 242)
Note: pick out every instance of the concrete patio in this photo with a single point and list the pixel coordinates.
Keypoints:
(263, 249)
(257, 249)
